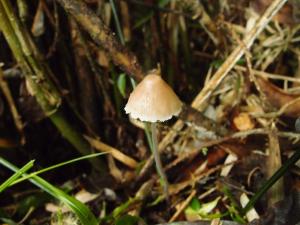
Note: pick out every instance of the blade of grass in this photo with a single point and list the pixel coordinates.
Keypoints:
(117, 22)
(116, 93)
(160, 6)
(8, 221)
(15, 176)
(268, 184)
(26, 177)
(82, 211)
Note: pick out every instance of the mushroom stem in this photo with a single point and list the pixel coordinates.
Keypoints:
(158, 163)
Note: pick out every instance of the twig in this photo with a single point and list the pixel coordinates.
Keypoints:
(102, 35)
(130, 162)
(183, 205)
(276, 192)
(269, 75)
(196, 176)
(199, 13)
(283, 109)
(16, 116)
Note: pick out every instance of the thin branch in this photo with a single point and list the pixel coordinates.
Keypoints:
(12, 106)
(102, 35)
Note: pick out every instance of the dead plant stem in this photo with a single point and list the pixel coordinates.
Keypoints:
(102, 35)
(13, 109)
(37, 77)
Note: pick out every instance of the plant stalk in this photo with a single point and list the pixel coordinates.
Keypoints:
(37, 75)
(103, 36)
(268, 184)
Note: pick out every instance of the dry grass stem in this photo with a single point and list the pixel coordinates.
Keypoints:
(128, 161)
(12, 106)
(183, 205)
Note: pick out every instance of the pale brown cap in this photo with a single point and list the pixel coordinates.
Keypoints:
(153, 100)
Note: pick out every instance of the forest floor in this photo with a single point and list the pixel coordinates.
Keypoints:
(70, 154)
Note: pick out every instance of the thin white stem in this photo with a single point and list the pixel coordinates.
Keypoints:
(158, 163)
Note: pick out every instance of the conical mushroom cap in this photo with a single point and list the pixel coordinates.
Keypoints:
(153, 100)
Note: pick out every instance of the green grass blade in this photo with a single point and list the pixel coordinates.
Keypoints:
(82, 211)
(268, 184)
(8, 221)
(147, 17)
(16, 175)
(56, 166)
(117, 22)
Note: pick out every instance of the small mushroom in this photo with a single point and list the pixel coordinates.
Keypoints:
(153, 100)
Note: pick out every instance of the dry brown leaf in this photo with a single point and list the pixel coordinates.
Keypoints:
(278, 98)
(38, 26)
(284, 16)
(7, 143)
(243, 122)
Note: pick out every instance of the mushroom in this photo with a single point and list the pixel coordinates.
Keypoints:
(153, 100)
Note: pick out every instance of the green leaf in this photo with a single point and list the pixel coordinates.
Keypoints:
(202, 210)
(156, 201)
(235, 215)
(241, 62)
(208, 207)
(120, 209)
(82, 211)
(127, 220)
(56, 166)
(143, 20)
(195, 204)
(204, 151)
(8, 221)
(122, 84)
(216, 63)
(16, 175)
